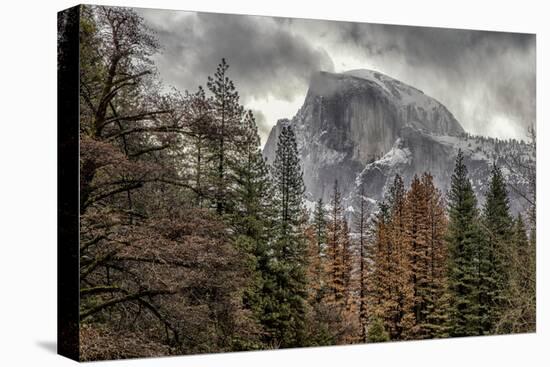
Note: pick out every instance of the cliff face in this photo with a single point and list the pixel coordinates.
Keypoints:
(362, 127)
(416, 152)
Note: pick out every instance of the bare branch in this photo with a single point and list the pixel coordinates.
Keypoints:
(129, 297)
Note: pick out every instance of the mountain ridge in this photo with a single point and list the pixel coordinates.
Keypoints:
(351, 123)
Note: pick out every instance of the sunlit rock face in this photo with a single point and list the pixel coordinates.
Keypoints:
(362, 127)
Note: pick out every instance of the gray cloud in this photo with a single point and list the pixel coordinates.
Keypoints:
(264, 127)
(486, 79)
(265, 59)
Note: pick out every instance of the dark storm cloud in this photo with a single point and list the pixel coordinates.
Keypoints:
(479, 75)
(486, 79)
(440, 46)
(265, 59)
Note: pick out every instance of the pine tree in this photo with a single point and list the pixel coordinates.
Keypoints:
(198, 116)
(524, 277)
(320, 222)
(519, 313)
(335, 251)
(465, 252)
(318, 252)
(252, 215)
(314, 270)
(347, 269)
(523, 263)
(328, 324)
(378, 289)
(392, 295)
(497, 225)
(425, 230)
(416, 237)
(323, 323)
(252, 183)
(341, 285)
(227, 115)
(361, 228)
(437, 295)
(521, 246)
(402, 298)
(285, 286)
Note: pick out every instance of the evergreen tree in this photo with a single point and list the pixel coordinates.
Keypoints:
(425, 230)
(521, 246)
(402, 296)
(347, 268)
(378, 290)
(437, 295)
(497, 225)
(314, 270)
(197, 113)
(320, 221)
(361, 228)
(252, 184)
(392, 295)
(285, 307)
(318, 252)
(341, 292)
(327, 323)
(181, 274)
(336, 239)
(416, 243)
(523, 265)
(378, 256)
(466, 252)
(227, 115)
(252, 216)
(377, 333)
(525, 277)
(519, 313)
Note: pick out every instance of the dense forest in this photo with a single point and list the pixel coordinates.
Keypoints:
(191, 243)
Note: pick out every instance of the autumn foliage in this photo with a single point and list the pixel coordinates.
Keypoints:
(191, 243)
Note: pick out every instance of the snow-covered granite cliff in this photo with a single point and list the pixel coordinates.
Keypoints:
(362, 127)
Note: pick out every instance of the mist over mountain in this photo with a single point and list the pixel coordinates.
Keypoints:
(362, 127)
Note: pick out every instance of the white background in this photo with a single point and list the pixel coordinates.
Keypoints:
(28, 182)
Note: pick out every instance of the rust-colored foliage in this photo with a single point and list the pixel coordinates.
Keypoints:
(158, 275)
(191, 243)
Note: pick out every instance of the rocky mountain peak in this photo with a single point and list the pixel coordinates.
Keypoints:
(362, 126)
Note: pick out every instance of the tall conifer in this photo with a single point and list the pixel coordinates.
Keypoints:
(361, 220)
(465, 252)
(425, 230)
(285, 308)
(497, 225)
(335, 250)
(227, 115)
(252, 214)
(318, 252)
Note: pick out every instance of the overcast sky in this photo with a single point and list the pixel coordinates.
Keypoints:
(486, 79)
